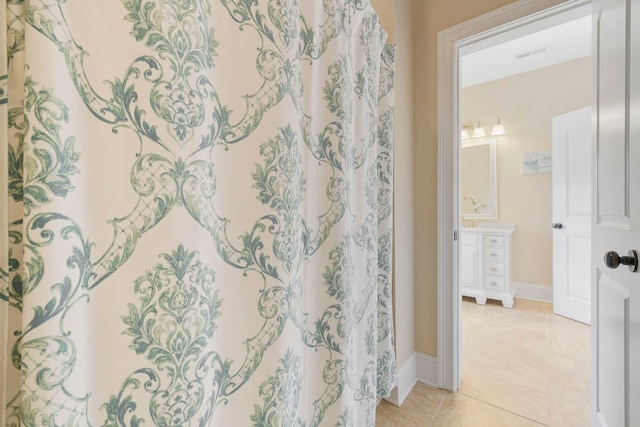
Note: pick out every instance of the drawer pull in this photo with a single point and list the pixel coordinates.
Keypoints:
(494, 269)
(493, 254)
(493, 241)
(493, 284)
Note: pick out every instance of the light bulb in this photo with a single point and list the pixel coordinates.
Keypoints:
(478, 132)
(498, 129)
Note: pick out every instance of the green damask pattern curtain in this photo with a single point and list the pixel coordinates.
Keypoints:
(195, 222)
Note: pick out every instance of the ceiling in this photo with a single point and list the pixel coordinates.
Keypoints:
(550, 46)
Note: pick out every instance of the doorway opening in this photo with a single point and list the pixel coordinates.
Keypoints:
(492, 29)
(537, 232)
(510, 353)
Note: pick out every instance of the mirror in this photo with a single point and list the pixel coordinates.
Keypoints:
(478, 179)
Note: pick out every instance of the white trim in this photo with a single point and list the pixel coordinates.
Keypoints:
(448, 123)
(427, 369)
(482, 29)
(419, 367)
(533, 292)
(407, 379)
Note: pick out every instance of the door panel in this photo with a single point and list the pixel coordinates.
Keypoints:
(612, 68)
(578, 167)
(469, 272)
(613, 308)
(616, 308)
(578, 275)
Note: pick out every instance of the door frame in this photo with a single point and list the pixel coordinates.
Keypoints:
(478, 33)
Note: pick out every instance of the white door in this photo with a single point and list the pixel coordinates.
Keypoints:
(571, 185)
(616, 226)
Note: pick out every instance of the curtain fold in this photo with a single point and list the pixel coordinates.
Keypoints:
(196, 222)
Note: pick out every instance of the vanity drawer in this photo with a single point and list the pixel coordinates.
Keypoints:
(494, 241)
(494, 283)
(494, 268)
(493, 254)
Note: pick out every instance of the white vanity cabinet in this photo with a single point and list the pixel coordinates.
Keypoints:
(485, 265)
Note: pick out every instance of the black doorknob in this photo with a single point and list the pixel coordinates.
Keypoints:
(613, 260)
(557, 225)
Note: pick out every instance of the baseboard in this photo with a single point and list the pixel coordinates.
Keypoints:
(407, 378)
(427, 369)
(533, 292)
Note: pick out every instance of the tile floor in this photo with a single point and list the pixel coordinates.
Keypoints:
(521, 367)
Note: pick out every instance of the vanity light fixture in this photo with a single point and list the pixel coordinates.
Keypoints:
(498, 128)
(476, 130)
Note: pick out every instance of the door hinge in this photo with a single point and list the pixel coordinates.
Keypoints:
(455, 235)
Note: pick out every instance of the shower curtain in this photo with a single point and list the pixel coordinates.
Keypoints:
(195, 222)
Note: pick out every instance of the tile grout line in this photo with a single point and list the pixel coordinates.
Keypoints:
(504, 409)
(437, 411)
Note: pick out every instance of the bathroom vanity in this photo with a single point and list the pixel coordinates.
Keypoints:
(485, 264)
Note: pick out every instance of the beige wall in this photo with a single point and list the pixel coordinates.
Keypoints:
(527, 103)
(404, 266)
(395, 17)
(385, 10)
(430, 17)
